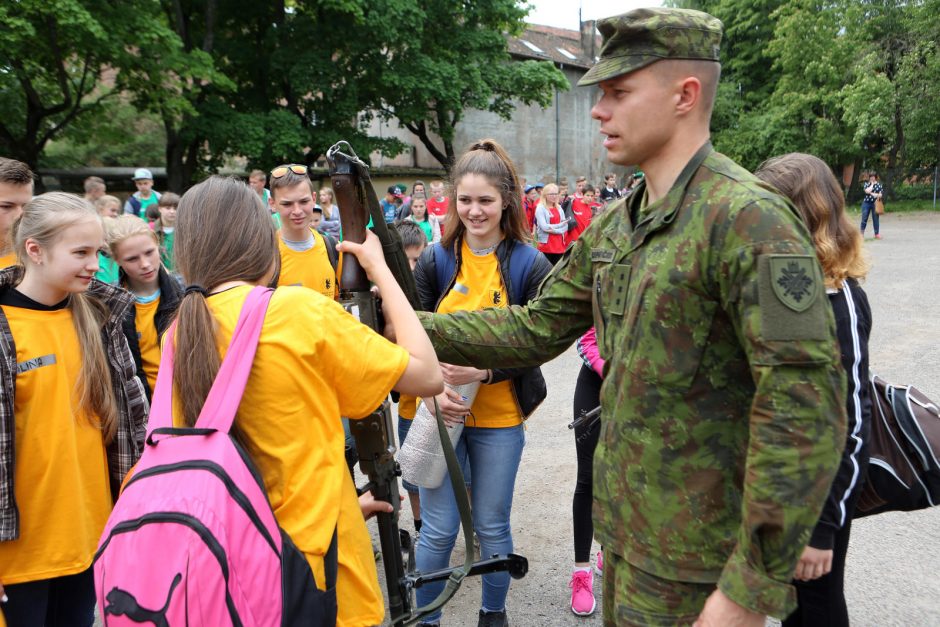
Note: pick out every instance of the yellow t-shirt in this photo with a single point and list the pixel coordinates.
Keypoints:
(61, 468)
(8, 260)
(303, 379)
(479, 286)
(148, 340)
(310, 268)
(407, 407)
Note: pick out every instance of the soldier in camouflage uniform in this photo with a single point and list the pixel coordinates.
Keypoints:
(723, 398)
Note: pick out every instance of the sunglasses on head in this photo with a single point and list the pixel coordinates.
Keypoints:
(281, 170)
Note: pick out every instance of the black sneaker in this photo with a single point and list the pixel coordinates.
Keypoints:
(493, 619)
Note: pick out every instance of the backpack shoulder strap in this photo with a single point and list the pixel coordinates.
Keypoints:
(444, 264)
(521, 258)
(330, 244)
(220, 407)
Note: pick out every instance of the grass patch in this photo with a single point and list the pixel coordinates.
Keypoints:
(903, 206)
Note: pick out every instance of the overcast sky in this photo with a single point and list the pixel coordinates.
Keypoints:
(564, 13)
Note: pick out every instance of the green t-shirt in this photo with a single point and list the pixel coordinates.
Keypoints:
(426, 227)
(146, 202)
(166, 249)
(108, 270)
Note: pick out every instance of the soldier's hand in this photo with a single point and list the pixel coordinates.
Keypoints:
(720, 611)
(461, 375)
(451, 404)
(813, 564)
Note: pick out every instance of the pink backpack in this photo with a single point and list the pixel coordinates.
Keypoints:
(192, 539)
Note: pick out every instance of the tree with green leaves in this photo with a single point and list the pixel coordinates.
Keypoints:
(455, 58)
(53, 58)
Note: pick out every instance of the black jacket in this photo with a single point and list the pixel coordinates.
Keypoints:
(528, 383)
(853, 326)
(170, 294)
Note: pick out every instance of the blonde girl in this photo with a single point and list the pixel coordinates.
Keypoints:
(550, 224)
(134, 246)
(330, 223)
(305, 376)
(73, 412)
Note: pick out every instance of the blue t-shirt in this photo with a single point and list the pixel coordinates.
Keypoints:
(876, 189)
(389, 209)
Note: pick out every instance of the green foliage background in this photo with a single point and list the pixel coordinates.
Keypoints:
(851, 81)
(193, 83)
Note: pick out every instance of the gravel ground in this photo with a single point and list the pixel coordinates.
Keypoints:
(891, 570)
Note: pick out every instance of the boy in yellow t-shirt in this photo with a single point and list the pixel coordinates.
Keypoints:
(307, 257)
(16, 189)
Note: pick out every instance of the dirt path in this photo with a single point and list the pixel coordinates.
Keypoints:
(891, 572)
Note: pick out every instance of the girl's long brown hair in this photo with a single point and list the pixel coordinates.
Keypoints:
(488, 159)
(223, 233)
(812, 187)
(44, 219)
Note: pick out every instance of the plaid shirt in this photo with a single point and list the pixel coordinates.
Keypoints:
(133, 408)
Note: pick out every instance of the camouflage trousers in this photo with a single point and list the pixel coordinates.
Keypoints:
(634, 598)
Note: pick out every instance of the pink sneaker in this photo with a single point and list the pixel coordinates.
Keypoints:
(599, 563)
(582, 593)
(877, 236)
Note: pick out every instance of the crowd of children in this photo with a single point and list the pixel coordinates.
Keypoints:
(75, 265)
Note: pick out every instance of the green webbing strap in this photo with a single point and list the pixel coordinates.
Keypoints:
(463, 506)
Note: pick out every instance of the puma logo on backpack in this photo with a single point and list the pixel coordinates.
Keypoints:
(121, 603)
(192, 532)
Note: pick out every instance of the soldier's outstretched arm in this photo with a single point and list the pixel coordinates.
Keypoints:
(521, 336)
(773, 291)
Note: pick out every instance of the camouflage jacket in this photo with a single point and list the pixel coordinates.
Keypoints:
(723, 400)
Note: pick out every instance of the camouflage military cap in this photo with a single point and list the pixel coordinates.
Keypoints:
(643, 36)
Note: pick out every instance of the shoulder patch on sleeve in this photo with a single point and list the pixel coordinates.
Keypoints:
(794, 280)
(792, 298)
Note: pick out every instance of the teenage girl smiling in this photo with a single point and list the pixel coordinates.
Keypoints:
(72, 412)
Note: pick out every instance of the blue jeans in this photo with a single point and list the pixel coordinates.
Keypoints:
(494, 456)
(868, 209)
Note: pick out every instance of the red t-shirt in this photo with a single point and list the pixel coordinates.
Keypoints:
(582, 213)
(438, 208)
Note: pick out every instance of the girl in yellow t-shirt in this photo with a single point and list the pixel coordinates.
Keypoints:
(135, 248)
(314, 363)
(66, 438)
(483, 261)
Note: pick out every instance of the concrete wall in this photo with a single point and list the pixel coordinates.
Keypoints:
(529, 137)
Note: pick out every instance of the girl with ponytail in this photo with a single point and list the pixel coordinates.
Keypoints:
(72, 411)
(314, 363)
(483, 261)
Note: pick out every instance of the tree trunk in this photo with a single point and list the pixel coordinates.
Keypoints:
(896, 148)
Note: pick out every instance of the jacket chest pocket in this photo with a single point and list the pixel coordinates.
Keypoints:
(611, 295)
(669, 326)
